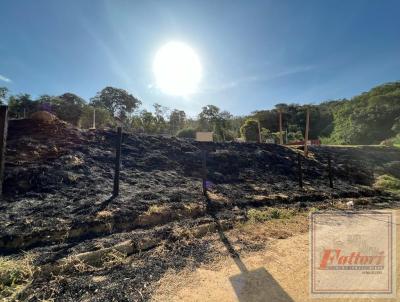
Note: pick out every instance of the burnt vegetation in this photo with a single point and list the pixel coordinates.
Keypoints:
(85, 244)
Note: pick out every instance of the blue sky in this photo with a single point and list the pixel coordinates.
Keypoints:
(254, 54)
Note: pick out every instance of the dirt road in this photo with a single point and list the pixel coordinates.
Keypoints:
(278, 273)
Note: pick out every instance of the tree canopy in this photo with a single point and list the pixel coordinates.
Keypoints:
(117, 101)
(368, 118)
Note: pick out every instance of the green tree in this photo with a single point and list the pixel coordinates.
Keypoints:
(250, 130)
(208, 117)
(69, 107)
(177, 120)
(118, 102)
(212, 119)
(368, 118)
(148, 122)
(21, 105)
(160, 113)
(265, 134)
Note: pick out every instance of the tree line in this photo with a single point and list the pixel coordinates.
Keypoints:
(368, 118)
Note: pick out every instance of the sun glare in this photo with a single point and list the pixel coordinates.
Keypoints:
(177, 69)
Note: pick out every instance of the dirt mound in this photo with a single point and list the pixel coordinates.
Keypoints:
(44, 117)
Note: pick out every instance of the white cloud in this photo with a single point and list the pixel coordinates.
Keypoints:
(5, 79)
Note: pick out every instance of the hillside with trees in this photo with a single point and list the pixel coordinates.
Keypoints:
(368, 118)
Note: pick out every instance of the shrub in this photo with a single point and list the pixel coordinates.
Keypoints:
(229, 135)
(186, 133)
(388, 183)
(250, 130)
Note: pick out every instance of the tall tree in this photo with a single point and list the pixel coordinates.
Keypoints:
(208, 117)
(212, 119)
(118, 102)
(160, 113)
(177, 120)
(148, 121)
(69, 107)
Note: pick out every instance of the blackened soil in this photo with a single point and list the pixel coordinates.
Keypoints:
(59, 178)
(57, 199)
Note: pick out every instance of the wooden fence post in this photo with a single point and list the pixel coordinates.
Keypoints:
(3, 140)
(204, 171)
(259, 132)
(280, 127)
(94, 118)
(330, 171)
(306, 134)
(299, 170)
(117, 162)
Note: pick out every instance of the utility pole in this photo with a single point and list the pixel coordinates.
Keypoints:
(280, 127)
(259, 132)
(306, 134)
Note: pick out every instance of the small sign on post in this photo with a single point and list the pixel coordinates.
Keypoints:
(117, 162)
(3, 140)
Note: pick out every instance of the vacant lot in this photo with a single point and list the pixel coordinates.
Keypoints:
(65, 238)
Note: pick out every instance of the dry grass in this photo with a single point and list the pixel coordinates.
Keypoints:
(156, 209)
(388, 183)
(278, 228)
(104, 214)
(217, 197)
(75, 264)
(265, 214)
(113, 258)
(15, 275)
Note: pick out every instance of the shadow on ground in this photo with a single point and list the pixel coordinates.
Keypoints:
(250, 286)
(258, 285)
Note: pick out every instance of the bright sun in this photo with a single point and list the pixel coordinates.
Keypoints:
(177, 69)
